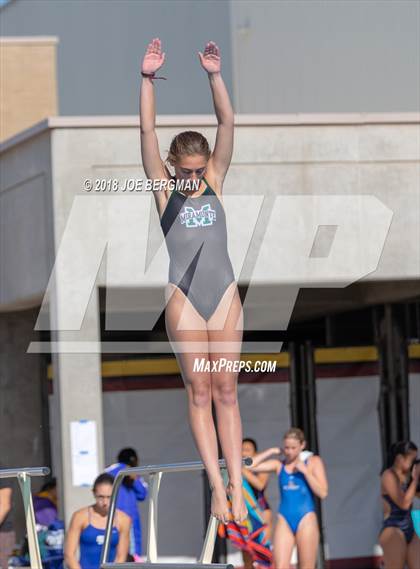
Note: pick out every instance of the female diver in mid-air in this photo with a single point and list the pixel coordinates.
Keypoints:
(203, 307)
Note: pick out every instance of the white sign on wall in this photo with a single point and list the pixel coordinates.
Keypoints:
(84, 452)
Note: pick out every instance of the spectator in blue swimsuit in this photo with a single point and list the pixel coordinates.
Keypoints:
(132, 490)
(301, 478)
(399, 483)
(87, 530)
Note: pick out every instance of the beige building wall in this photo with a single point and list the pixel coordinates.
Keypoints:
(28, 82)
(43, 171)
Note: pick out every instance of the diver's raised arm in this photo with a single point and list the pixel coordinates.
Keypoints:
(151, 159)
(223, 148)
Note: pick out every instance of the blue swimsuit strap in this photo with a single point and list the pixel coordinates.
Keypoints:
(290, 473)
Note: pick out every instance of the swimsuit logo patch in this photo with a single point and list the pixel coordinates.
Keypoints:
(291, 485)
(202, 217)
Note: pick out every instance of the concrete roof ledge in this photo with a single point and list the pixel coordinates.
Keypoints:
(30, 40)
(132, 121)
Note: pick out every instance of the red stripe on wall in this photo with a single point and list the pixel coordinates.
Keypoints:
(343, 371)
(175, 381)
(354, 563)
(347, 371)
(414, 366)
(278, 376)
(142, 383)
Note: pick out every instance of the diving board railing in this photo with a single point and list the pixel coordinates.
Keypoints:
(23, 476)
(155, 473)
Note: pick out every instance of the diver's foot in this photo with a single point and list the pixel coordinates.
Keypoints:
(219, 504)
(239, 509)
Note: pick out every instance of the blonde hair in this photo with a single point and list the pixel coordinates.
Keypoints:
(295, 433)
(188, 143)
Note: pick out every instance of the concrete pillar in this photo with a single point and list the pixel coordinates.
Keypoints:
(77, 396)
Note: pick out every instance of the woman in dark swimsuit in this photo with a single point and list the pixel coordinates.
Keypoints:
(203, 308)
(398, 488)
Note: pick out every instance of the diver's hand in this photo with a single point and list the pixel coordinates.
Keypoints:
(154, 58)
(210, 59)
(301, 467)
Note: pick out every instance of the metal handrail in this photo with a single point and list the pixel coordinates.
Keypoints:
(24, 478)
(155, 473)
(14, 472)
